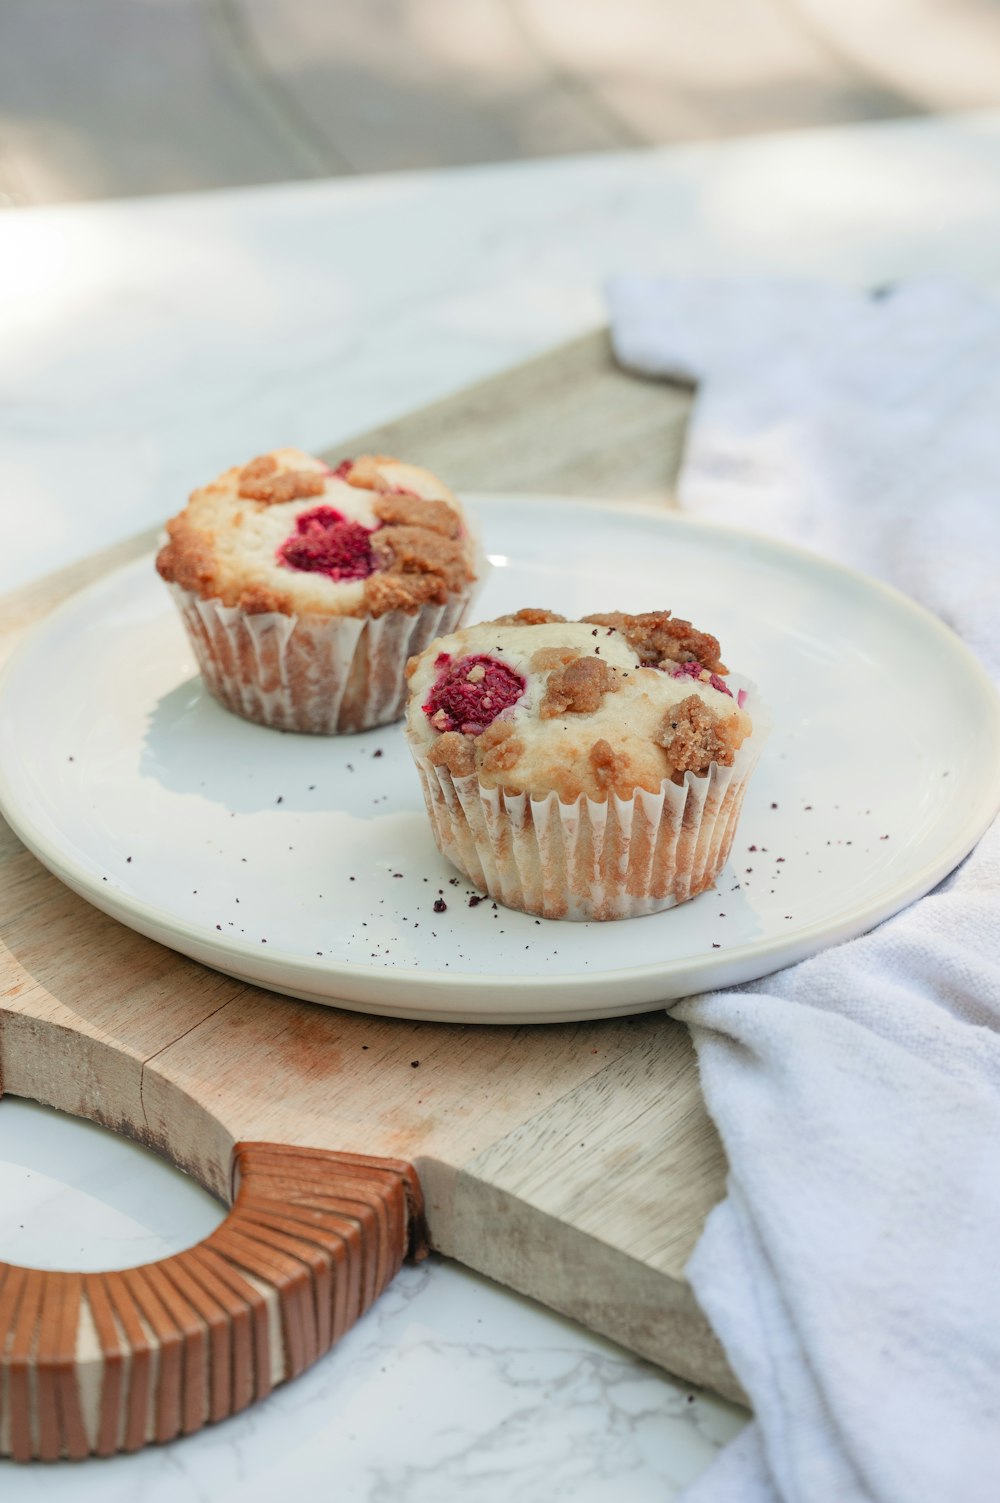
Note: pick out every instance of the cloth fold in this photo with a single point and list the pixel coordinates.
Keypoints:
(853, 1271)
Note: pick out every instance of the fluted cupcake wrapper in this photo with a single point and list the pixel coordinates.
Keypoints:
(590, 860)
(325, 675)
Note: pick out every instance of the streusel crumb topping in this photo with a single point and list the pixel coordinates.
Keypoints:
(578, 687)
(658, 638)
(534, 703)
(288, 533)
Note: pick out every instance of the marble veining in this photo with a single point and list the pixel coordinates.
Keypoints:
(449, 1387)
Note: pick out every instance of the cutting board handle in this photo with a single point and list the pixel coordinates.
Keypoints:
(93, 1363)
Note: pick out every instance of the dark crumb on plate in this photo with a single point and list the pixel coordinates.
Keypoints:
(715, 946)
(377, 752)
(883, 837)
(774, 806)
(475, 901)
(280, 799)
(440, 906)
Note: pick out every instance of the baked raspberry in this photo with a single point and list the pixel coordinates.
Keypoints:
(470, 693)
(695, 670)
(325, 542)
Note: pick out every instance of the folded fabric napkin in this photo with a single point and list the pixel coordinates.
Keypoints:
(853, 1271)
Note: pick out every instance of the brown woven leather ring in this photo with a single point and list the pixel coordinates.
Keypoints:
(93, 1363)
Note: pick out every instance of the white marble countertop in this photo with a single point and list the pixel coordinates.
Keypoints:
(144, 343)
(143, 346)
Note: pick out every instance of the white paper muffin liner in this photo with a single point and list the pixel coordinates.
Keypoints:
(325, 675)
(590, 860)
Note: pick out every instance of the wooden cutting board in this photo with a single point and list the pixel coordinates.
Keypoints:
(575, 1163)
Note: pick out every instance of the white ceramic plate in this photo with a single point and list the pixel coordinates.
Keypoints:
(307, 865)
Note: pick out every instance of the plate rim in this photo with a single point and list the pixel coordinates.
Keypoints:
(755, 958)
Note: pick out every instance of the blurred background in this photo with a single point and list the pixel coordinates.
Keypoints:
(111, 98)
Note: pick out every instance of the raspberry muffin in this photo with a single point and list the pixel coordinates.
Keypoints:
(588, 769)
(305, 589)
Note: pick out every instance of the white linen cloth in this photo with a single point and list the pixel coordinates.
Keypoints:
(853, 1271)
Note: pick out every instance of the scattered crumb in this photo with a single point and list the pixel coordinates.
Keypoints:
(440, 906)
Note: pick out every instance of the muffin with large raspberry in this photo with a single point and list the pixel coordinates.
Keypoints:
(588, 769)
(304, 589)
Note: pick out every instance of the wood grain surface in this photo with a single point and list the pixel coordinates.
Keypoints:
(575, 1163)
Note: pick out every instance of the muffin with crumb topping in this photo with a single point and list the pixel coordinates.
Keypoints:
(588, 769)
(305, 589)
